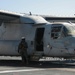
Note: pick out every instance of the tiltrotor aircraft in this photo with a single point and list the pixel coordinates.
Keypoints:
(43, 38)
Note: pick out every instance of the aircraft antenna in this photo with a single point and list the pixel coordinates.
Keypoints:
(30, 13)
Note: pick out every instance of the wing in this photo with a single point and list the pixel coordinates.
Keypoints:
(6, 16)
(10, 17)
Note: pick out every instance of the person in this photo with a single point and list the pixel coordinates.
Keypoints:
(22, 49)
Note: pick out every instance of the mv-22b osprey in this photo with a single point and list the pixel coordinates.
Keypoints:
(43, 38)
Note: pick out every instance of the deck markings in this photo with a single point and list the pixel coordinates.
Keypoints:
(23, 70)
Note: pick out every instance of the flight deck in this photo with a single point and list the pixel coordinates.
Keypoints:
(46, 66)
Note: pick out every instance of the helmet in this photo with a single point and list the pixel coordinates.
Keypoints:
(23, 37)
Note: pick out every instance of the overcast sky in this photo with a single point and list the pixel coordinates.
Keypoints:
(44, 7)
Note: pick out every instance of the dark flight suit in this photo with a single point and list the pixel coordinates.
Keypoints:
(22, 49)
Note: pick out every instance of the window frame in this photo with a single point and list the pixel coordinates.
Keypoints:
(58, 33)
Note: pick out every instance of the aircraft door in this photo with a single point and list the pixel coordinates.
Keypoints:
(39, 39)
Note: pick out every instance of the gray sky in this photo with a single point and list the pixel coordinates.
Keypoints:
(44, 7)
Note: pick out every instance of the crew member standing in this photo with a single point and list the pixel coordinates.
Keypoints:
(22, 49)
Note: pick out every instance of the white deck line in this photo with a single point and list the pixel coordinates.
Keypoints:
(24, 70)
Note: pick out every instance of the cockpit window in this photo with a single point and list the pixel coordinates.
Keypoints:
(65, 31)
(60, 31)
(71, 28)
(68, 31)
(55, 31)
